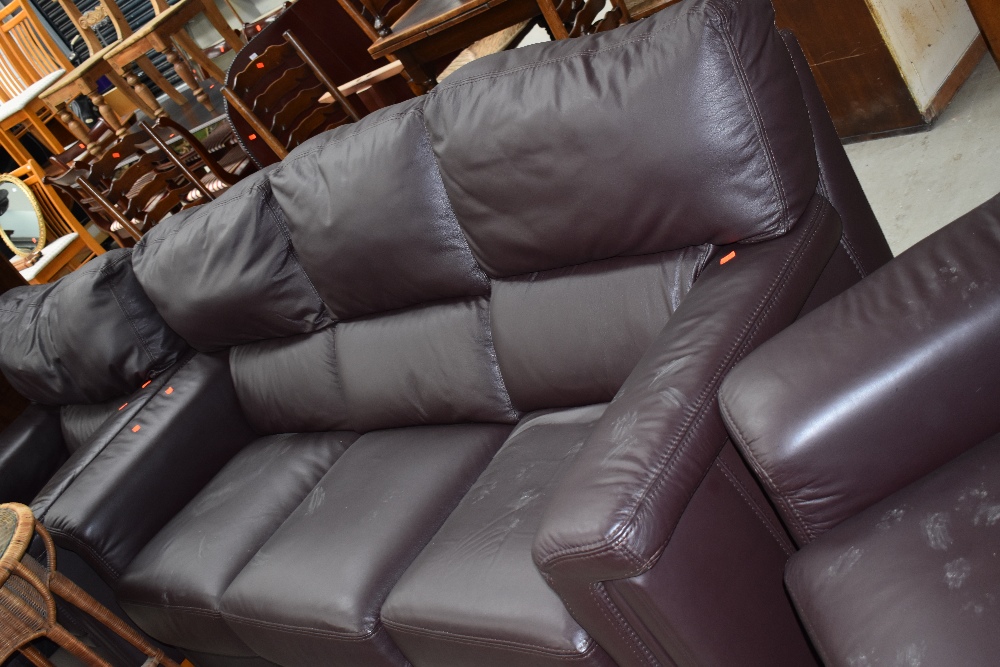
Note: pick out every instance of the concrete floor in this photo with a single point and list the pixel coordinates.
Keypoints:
(920, 182)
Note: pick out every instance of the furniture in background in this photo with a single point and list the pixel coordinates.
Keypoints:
(572, 18)
(66, 244)
(279, 92)
(419, 33)
(164, 33)
(873, 425)
(987, 15)
(28, 589)
(338, 47)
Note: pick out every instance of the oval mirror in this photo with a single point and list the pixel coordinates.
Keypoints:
(21, 223)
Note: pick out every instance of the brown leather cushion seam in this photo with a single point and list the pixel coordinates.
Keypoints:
(68, 537)
(483, 641)
(301, 630)
(740, 489)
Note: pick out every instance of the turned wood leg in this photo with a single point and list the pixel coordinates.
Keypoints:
(189, 46)
(218, 21)
(187, 76)
(413, 71)
(73, 123)
(107, 113)
(144, 93)
(123, 87)
(146, 65)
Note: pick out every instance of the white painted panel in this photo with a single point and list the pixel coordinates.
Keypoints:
(927, 38)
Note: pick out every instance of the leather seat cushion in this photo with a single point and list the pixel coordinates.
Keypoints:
(173, 588)
(313, 593)
(474, 596)
(926, 558)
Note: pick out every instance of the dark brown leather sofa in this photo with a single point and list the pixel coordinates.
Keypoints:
(874, 423)
(452, 399)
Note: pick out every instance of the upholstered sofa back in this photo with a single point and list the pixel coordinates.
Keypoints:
(510, 242)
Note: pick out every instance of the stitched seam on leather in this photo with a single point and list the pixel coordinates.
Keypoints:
(69, 537)
(491, 642)
(698, 411)
(338, 140)
(580, 54)
(740, 489)
(852, 254)
(190, 610)
(129, 318)
(303, 630)
(759, 126)
(824, 654)
(625, 630)
(279, 222)
(67, 482)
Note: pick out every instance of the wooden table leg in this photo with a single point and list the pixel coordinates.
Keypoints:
(186, 75)
(43, 134)
(74, 124)
(146, 65)
(133, 89)
(196, 54)
(13, 146)
(218, 21)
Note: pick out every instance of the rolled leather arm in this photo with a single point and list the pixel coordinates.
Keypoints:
(31, 449)
(145, 463)
(881, 385)
(614, 511)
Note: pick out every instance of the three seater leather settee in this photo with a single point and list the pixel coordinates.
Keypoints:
(441, 387)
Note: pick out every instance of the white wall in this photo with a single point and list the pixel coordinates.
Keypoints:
(927, 38)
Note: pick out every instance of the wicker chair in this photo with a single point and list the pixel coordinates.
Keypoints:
(28, 605)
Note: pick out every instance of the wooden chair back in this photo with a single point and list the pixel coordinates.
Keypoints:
(86, 22)
(279, 92)
(27, 51)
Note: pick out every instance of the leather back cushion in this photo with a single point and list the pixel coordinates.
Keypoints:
(511, 241)
(86, 338)
(226, 273)
(685, 128)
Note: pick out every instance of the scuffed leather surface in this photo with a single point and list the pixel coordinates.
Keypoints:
(571, 336)
(715, 595)
(681, 129)
(31, 449)
(173, 588)
(225, 273)
(290, 385)
(428, 365)
(350, 540)
(881, 385)
(114, 494)
(79, 422)
(862, 240)
(473, 596)
(88, 337)
(615, 509)
(374, 226)
(914, 579)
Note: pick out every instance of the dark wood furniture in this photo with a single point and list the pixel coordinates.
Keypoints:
(28, 589)
(338, 46)
(279, 95)
(419, 33)
(572, 18)
(987, 15)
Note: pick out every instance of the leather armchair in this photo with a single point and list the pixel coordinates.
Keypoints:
(873, 424)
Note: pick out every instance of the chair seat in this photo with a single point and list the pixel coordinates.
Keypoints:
(79, 71)
(28, 95)
(49, 253)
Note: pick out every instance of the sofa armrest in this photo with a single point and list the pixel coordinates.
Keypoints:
(881, 385)
(145, 463)
(31, 449)
(613, 512)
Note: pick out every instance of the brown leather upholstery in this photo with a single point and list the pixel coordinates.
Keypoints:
(478, 338)
(866, 422)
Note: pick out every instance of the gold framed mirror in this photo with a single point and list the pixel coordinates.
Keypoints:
(22, 225)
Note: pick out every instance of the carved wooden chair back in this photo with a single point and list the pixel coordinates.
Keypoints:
(87, 23)
(278, 94)
(30, 51)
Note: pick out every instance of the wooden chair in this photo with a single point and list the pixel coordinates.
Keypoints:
(43, 57)
(572, 18)
(163, 34)
(67, 239)
(279, 95)
(419, 33)
(21, 83)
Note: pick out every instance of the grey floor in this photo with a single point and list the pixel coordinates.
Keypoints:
(918, 183)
